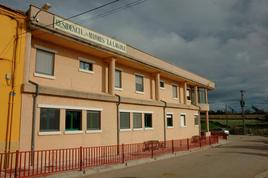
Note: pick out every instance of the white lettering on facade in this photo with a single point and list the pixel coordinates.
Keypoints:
(87, 34)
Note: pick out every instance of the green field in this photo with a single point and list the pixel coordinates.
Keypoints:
(235, 126)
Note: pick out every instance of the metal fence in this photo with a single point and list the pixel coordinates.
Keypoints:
(44, 162)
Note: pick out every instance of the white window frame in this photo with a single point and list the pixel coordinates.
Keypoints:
(177, 93)
(185, 123)
(68, 107)
(125, 129)
(50, 132)
(167, 114)
(97, 130)
(117, 88)
(140, 75)
(188, 94)
(81, 59)
(142, 115)
(36, 74)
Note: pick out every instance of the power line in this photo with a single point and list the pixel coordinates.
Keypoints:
(117, 9)
(91, 10)
(77, 15)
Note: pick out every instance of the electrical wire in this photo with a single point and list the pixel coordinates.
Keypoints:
(117, 9)
(77, 15)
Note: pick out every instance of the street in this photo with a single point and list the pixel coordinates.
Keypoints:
(243, 156)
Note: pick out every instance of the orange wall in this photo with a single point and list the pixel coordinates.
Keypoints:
(66, 70)
(68, 76)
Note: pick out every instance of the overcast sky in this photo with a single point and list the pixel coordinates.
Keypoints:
(225, 41)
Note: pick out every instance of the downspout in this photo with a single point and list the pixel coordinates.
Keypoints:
(117, 121)
(164, 119)
(35, 95)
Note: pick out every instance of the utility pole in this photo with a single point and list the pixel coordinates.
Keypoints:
(242, 104)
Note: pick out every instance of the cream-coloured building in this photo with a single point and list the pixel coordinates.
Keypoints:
(82, 88)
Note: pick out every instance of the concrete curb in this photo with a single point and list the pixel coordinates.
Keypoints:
(105, 168)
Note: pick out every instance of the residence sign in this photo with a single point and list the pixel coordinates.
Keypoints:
(84, 33)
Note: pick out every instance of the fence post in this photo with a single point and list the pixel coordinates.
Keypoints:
(16, 163)
(200, 142)
(123, 154)
(188, 145)
(81, 158)
(172, 141)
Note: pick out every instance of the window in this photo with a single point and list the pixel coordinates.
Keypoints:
(124, 120)
(188, 94)
(44, 63)
(169, 120)
(202, 95)
(86, 66)
(193, 98)
(73, 120)
(162, 84)
(183, 120)
(118, 79)
(49, 119)
(137, 120)
(93, 120)
(196, 120)
(174, 91)
(148, 123)
(139, 83)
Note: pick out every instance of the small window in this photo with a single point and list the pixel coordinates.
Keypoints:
(93, 120)
(73, 120)
(44, 63)
(188, 94)
(118, 79)
(196, 119)
(148, 122)
(169, 120)
(162, 84)
(49, 119)
(139, 83)
(183, 120)
(86, 66)
(174, 91)
(137, 120)
(124, 120)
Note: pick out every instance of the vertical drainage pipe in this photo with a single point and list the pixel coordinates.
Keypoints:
(35, 95)
(164, 119)
(117, 121)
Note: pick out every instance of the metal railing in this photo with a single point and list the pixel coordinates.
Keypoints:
(44, 162)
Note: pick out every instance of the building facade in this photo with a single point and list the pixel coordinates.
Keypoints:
(12, 45)
(82, 88)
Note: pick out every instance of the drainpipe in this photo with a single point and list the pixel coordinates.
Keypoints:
(34, 114)
(117, 121)
(164, 119)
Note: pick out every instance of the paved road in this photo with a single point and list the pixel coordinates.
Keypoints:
(242, 157)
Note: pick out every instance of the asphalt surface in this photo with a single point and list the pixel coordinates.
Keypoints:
(242, 157)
